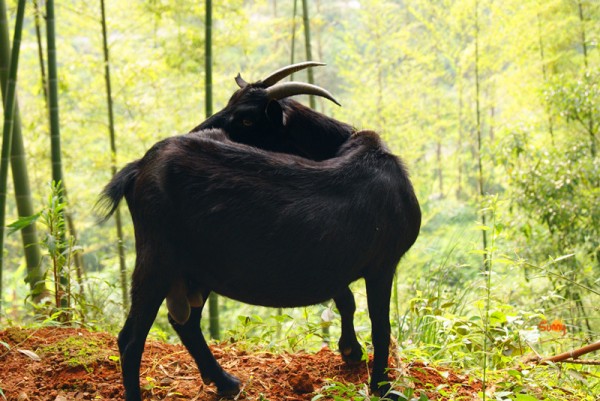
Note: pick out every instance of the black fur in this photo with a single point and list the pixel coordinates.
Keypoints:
(264, 228)
(287, 126)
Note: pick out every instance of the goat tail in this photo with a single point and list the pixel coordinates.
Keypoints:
(116, 189)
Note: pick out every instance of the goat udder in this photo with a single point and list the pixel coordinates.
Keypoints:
(180, 301)
(179, 308)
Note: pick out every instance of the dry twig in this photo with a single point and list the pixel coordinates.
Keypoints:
(573, 354)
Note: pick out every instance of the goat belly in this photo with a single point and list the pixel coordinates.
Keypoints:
(281, 274)
(249, 260)
(284, 287)
(282, 295)
(276, 230)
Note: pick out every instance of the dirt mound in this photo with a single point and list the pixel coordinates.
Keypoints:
(59, 364)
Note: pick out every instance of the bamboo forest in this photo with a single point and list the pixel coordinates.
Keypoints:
(491, 107)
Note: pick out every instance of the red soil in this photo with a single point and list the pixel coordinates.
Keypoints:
(59, 364)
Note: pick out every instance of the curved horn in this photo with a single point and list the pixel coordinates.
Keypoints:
(287, 89)
(281, 73)
(240, 81)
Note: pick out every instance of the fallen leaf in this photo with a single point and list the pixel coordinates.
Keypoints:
(30, 354)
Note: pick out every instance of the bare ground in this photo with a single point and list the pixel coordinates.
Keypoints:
(58, 364)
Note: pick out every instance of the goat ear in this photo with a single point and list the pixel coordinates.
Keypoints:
(274, 113)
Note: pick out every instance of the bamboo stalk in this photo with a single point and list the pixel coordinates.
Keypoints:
(9, 108)
(50, 84)
(486, 259)
(213, 300)
(479, 135)
(55, 143)
(208, 104)
(113, 160)
(544, 74)
(57, 174)
(38, 35)
(311, 79)
(590, 127)
(29, 236)
(293, 52)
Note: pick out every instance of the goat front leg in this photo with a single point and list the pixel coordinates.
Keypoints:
(378, 299)
(192, 338)
(348, 344)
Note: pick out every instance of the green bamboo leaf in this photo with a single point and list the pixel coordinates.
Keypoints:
(22, 223)
(562, 258)
(51, 243)
(498, 317)
(525, 397)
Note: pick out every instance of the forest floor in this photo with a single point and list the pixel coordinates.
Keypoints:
(59, 364)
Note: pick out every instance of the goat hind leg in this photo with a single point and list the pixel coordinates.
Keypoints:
(192, 338)
(132, 337)
(378, 298)
(348, 344)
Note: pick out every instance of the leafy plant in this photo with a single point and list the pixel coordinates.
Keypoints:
(577, 101)
(60, 250)
(338, 391)
(555, 194)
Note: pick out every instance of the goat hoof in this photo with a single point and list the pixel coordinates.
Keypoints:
(351, 355)
(228, 385)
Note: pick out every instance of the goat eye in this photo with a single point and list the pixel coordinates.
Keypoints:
(248, 123)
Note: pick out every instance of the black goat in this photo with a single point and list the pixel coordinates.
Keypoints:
(262, 115)
(264, 228)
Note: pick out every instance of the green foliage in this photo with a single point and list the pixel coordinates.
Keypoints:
(342, 391)
(546, 383)
(22, 222)
(444, 334)
(338, 391)
(60, 250)
(291, 332)
(558, 189)
(577, 101)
